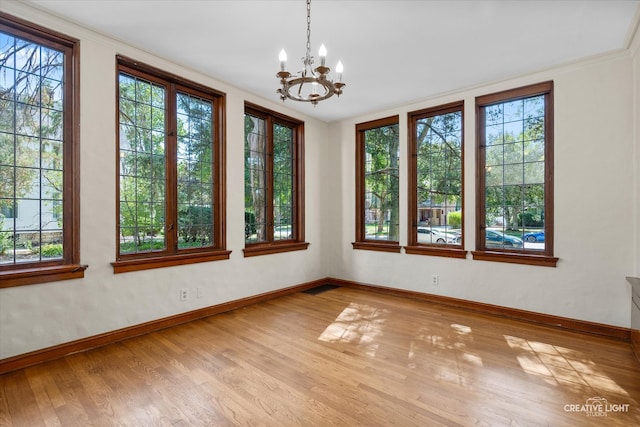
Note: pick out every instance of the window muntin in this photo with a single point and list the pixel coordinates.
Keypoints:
(274, 211)
(195, 172)
(515, 189)
(142, 120)
(38, 155)
(436, 180)
(283, 177)
(377, 185)
(171, 170)
(255, 194)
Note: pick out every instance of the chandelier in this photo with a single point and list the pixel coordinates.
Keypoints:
(310, 84)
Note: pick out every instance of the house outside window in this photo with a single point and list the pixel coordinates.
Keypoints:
(436, 181)
(515, 176)
(377, 185)
(39, 155)
(171, 170)
(274, 182)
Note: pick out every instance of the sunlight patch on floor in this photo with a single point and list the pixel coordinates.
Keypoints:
(450, 356)
(562, 366)
(357, 324)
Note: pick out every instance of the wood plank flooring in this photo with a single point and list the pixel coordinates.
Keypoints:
(343, 357)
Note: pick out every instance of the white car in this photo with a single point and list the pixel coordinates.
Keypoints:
(429, 235)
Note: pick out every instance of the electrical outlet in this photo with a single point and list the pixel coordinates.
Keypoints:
(184, 294)
(435, 280)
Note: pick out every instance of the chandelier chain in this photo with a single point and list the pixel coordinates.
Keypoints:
(308, 28)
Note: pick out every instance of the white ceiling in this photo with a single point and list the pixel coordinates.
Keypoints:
(394, 52)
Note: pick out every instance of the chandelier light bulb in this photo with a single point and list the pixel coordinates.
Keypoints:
(283, 59)
(323, 54)
(339, 70)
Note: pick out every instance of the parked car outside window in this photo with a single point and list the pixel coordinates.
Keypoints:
(498, 239)
(429, 235)
(536, 236)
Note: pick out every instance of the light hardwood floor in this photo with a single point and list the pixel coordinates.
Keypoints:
(344, 357)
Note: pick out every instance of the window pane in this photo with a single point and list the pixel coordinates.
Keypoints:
(31, 151)
(381, 191)
(142, 168)
(283, 182)
(195, 172)
(255, 203)
(515, 174)
(439, 178)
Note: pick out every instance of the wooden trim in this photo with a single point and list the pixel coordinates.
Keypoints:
(136, 264)
(361, 240)
(299, 190)
(270, 245)
(516, 258)
(138, 66)
(635, 343)
(31, 276)
(527, 256)
(447, 251)
(635, 322)
(574, 325)
(220, 190)
(513, 94)
(255, 250)
(69, 267)
(171, 254)
(71, 161)
(381, 247)
(51, 353)
(26, 28)
(414, 246)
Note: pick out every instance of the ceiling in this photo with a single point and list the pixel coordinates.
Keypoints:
(394, 52)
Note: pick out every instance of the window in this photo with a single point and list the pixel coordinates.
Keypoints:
(274, 182)
(171, 173)
(515, 176)
(436, 181)
(39, 155)
(377, 189)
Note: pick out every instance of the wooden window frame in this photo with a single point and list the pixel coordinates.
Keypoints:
(413, 245)
(361, 241)
(69, 267)
(297, 242)
(172, 256)
(528, 257)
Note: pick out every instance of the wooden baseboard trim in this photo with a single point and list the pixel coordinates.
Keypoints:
(51, 353)
(635, 343)
(84, 344)
(615, 332)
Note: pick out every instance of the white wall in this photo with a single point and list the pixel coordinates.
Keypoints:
(38, 316)
(635, 49)
(593, 165)
(594, 208)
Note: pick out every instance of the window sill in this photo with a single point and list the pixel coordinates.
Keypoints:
(375, 246)
(266, 249)
(516, 258)
(34, 275)
(443, 251)
(127, 265)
